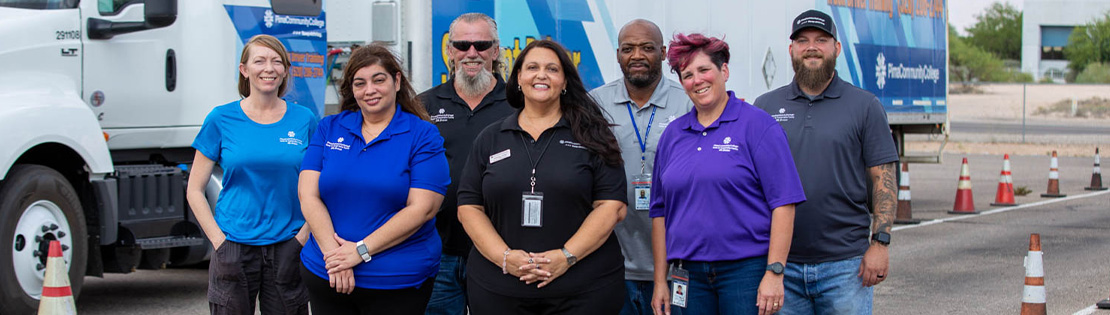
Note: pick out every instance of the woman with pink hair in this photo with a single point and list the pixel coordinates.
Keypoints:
(724, 192)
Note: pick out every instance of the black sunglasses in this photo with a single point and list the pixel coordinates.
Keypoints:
(464, 45)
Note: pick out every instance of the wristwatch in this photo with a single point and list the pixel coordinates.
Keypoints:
(776, 268)
(362, 251)
(571, 259)
(883, 238)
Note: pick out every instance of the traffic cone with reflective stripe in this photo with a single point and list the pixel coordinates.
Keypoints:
(1105, 303)
(1053, 179)
(904, 213)
(1005, 195)
(1096, 176)
(57, 297)
(964, 203)
(1033, 297)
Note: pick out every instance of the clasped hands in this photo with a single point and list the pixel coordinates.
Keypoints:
(339, 263)
(541, 267)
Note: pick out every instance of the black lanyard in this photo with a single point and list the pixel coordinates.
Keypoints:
(647, 131)
(536, 162)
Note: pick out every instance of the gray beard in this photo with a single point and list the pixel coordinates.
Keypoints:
(473, 85)
(813, 79)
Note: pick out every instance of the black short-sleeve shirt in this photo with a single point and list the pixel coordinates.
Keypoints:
(834, 139)
(570, 177)
(459, 125)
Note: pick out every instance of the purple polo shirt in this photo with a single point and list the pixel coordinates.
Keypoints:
(716, 185)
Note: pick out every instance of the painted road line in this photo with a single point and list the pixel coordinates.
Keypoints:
(1000, 210)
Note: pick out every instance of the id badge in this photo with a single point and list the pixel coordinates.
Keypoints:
(531, 209)
(680, 281)
(641, 185)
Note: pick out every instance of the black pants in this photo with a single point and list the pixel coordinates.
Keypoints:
(366, 301)
(605, 300)
(238, 273)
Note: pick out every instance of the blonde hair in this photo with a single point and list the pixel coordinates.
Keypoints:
(271, 43)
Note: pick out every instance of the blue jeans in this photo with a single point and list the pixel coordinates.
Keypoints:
(449, 293)
(638, 299)
(826, 288)
(723, 287)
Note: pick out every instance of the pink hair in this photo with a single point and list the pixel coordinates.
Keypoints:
(683, 47)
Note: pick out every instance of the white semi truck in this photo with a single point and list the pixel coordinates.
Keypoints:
(99, 104)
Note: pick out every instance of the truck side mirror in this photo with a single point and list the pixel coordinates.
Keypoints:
(156, 14)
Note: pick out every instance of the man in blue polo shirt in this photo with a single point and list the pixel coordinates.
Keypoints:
(839, 138)
(639, 105)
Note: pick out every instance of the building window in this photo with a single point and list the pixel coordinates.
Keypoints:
(1053, 41)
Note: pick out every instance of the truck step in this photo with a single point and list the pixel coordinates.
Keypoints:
(168, 241)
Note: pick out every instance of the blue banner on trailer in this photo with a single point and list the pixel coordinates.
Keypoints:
(306, 39)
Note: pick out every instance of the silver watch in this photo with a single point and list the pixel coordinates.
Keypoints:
(571, 259)
(363, 251)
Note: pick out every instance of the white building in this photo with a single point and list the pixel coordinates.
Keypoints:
(1046, 25)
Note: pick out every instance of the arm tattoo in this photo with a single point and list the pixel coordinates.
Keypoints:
(884, 196)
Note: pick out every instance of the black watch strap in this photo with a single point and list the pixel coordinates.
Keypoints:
(881, 238)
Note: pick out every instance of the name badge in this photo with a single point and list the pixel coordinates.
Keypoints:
(641, 186)
(499, 156)
(531, 209)
(680, 281)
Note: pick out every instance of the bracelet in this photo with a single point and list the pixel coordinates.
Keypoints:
(504, 260)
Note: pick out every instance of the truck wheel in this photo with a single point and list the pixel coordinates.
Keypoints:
(37, 205)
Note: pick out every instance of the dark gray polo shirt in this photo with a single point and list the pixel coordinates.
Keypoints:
(834, 139)
(459, 125)
(669, 101)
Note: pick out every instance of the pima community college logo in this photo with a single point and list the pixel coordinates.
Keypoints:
(880, 71)
(268, 18)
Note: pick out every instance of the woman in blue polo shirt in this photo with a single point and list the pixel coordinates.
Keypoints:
(723, 195)
(372, 180)
(256, 227)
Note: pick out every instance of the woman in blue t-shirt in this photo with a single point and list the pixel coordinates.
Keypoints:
(256, 227)
(370, 185)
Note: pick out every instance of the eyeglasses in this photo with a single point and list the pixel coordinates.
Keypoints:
(464, 45)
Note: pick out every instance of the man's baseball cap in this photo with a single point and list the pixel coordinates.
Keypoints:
(815, 19)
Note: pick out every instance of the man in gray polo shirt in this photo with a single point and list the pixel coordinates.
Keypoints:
(640, 105)
(840, 139)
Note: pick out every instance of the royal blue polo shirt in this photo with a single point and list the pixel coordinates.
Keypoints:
(716, 185)
(258, 203)
(364, 184)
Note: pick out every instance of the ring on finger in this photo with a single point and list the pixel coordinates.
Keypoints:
(530, 261)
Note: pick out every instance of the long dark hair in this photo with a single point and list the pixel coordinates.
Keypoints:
(378, 55)
(587, 123)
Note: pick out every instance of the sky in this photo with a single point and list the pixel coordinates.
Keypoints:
(961, 13)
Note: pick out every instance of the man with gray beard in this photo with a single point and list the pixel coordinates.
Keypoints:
(472, 99)
(839, 139)
(639, 105)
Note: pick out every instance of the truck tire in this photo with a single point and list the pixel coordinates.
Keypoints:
(37, 205)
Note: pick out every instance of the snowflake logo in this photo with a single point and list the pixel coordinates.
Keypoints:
(291, 134)
(728, 139)
(880, 71)
(441, 111)
(782, 110)
(340, 139)
(268, 18)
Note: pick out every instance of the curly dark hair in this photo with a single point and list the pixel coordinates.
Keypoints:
(587, 123)
(377, 54)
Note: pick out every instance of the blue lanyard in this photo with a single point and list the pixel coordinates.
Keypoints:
(647, 131)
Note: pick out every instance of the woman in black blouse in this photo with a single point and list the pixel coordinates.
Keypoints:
(540, 196)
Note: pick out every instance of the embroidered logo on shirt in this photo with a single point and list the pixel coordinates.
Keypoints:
(442, 116)
(726, 147)
(782, 115)
(499, 156)
(291, 140)
(337, 145)
(572, 144)
(667, 121)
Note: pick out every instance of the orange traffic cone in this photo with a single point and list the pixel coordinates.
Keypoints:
(904, 213)
(1005, 195)
(1105, 303)
(57, 297)
(964, 203)
(1053, 179)
(1033, 297)
(1096, 176)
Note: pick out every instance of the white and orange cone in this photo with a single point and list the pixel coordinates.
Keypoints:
(904, 214)
(965, 204)
(1005, 195)
(1096, 176)
(57, 297)
(1053, 179)
(1033, 297)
